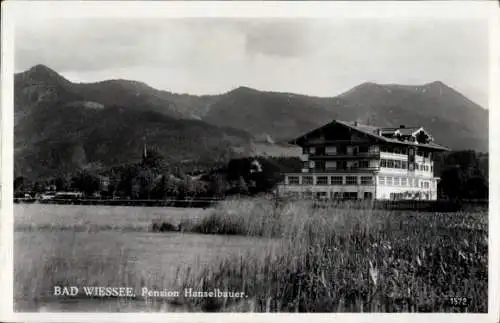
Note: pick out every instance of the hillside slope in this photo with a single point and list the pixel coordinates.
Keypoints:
(61, 126)
(454, 120)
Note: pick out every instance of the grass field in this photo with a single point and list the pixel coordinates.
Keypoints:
(348, 260)
(291, 258)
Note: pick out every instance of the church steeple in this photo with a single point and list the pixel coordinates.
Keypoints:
(144, 150)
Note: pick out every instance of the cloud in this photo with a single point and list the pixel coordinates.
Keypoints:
(285, 38)
(312, 56)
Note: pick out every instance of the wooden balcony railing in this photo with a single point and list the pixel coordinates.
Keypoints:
(374, 155)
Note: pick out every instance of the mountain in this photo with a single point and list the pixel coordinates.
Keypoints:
(454, 120)
(40, 81)
(61, 126)
(281, 116)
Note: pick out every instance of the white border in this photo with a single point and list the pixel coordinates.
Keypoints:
(360, 10)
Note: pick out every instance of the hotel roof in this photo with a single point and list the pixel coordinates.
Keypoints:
(381, 134)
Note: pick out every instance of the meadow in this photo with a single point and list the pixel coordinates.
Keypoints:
(289, 257)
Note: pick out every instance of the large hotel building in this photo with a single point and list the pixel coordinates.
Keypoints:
(349, 160)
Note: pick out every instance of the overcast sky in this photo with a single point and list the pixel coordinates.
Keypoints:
(302, 55)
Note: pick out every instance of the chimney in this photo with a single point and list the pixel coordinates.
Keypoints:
(355, 123)
(379, 132)
(402, 126)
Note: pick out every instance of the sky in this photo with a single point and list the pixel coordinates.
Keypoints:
(307, 55)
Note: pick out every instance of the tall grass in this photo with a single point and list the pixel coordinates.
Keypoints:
(318, 260)
(347, 260)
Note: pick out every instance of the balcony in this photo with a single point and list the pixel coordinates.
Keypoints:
(373, 155)
(345, 170)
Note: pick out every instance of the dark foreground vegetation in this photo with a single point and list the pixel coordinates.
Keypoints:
(332, 260)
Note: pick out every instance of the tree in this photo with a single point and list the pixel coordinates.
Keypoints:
(241, 186)
(145, 178)
(451, 182)
(153, 159)
(464, 174)
(476, 188)
(19, 184)
(159, 190)
(62, 184)
(86, 182)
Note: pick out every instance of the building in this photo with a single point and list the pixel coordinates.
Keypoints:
(349, 160)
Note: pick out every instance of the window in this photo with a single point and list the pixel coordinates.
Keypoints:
(390, 163)
(432, 168)
(383, 163)
(337, 195)
(363, 149)
(321, 195)
(307, 180)
(331, 150)
(320, 165)
(308, 195)
(351, 195)
(349, 150)
(312, 150)
(404, 151)
(404, 181)
(352, 165)
(417, 166)
(331, 165)
(366, 180)
(426, 184)
(293, 180)
(322, 180)
(368, 195)
(381, 180)
(311, 164)
(397, 150)
(389, 180)
(383, 149)
(397, 164)
(351, 180)
(336, 180)
(397, 181)
(404, 164)
(363, 164)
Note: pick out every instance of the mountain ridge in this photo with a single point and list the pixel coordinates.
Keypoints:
(242, 115)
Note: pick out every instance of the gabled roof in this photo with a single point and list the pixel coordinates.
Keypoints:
(378, 134)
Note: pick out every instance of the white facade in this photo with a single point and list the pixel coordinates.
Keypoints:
(325, 185)
(383, 185)
(388, 179)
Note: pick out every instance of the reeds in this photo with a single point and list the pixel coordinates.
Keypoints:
(347, 260)
(317, 260)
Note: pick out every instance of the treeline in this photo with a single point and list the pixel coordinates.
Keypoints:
(155, 178)
(464, 175)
